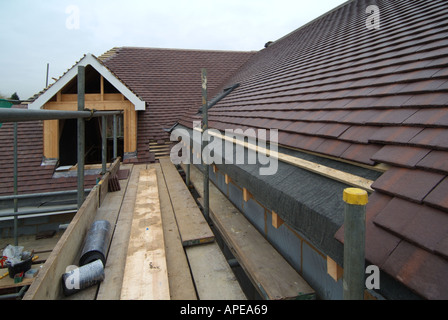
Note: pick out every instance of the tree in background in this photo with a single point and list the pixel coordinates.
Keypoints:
(14, 96)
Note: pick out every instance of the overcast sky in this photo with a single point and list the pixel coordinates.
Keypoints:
(59, 32)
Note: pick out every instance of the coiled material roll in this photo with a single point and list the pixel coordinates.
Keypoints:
(97, 243)
(82, 277)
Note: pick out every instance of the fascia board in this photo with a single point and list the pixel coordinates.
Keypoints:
(89, 59)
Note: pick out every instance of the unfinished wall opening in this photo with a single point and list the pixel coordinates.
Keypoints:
(93, 139)
(100, 94)
(94, 83)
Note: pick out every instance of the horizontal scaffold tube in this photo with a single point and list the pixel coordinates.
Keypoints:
(40, 195)
(16, 115)
(73, 208)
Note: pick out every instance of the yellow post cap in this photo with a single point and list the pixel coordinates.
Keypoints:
(355, 196)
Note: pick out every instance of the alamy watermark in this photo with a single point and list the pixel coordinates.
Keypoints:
(373, 280)
(72, 280)
(373, 20)
(73, 20)
(220, 148)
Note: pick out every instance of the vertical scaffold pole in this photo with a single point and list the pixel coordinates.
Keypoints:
(16, 205)
(354, 243)
(103, 145)
(81, 135)
(205, 142)
(115, 137)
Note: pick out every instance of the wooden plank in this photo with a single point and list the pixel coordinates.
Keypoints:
(145, 274)
(110, 289)
(179, 275)
(109, 211)
(212, 274)
(160, 146)
(192, 225)
(271, 274)
(338, 175)
(47, 285)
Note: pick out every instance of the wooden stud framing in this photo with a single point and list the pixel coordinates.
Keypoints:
(276, 220)
(100, 102)
(102, 88)
(247, 195)
(273, 277)
(51, 139)
(334, 270)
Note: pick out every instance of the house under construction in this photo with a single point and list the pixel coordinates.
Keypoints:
(359, 98)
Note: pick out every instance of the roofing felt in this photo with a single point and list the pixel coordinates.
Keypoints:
(169, 80)
(369, 96)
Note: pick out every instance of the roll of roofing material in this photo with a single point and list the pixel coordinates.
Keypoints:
(97, 243)
(82, 277)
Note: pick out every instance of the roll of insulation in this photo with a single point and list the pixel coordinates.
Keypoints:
(82, 277)
(96, 243)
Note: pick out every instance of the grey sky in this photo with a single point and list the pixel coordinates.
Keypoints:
(34, 33)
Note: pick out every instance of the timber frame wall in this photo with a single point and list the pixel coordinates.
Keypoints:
(98, 101)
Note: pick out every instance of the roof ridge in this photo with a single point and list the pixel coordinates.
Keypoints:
(184, 49)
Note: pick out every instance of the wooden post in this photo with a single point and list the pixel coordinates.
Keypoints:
(354, 243)
(205, 142)
(246, 195)
(276, 220)
(334, 270)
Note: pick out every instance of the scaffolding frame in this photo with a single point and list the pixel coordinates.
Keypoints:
(19, 115)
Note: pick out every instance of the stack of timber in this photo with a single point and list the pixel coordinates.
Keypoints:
(181, 283)
(211, 274)
(160, 149)
(110, 288)
(272, 276)
(161, 248)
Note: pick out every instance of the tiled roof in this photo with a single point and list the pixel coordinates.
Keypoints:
(340, 89)
(32, 176)
(166, 78)
(169, 80)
